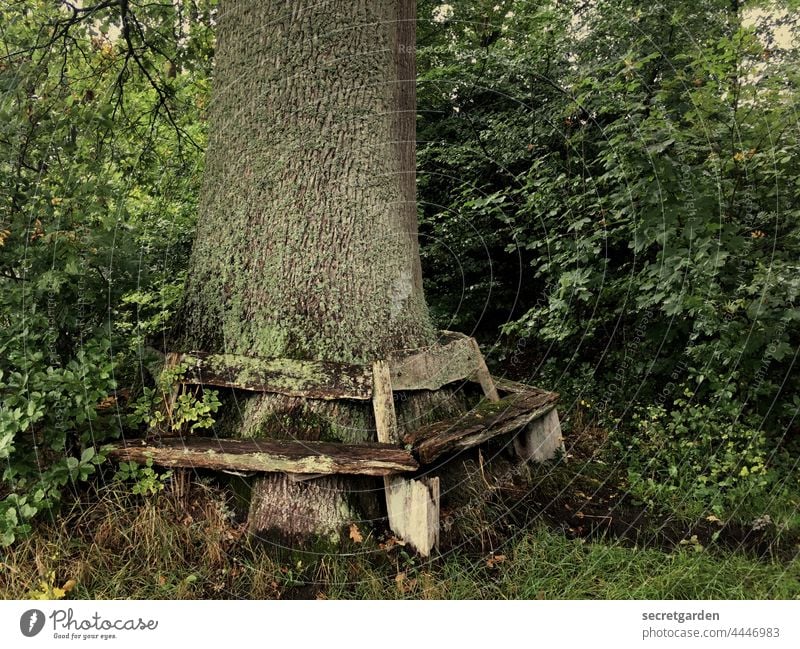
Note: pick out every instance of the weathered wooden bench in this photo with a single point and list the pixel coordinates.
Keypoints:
(412, 502)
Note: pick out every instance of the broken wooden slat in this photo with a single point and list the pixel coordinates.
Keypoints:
(271, 456)
(413, 508)
(541, 440)
(486, 421)
(294, 378)
(456, 358)
(483, 376)
(412, 505)
(383, 404)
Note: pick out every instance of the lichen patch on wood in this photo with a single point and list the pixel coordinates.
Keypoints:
(298, 378)
(271, 456)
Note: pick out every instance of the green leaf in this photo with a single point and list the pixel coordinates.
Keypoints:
(87, 455)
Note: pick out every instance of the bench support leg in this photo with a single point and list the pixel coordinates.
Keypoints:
(541, 439)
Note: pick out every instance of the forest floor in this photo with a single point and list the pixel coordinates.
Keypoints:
(566, 529)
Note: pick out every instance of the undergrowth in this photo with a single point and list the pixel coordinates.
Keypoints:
(187, 542)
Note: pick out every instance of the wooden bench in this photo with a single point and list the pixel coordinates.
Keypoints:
(412, 501)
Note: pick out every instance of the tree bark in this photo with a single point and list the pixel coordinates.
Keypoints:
(306, 244)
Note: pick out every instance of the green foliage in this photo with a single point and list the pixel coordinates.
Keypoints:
(146, 482)
(100, 162)
(49, 421)
(197, 412)
(699, 454)
(618, 183)
(191, 410)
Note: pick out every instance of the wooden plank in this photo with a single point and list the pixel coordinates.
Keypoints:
(455, 358)
(483, 376)
(484, 422)
(541, 440)
(383, 404)
(270, 456)
(413, 508)
(295, 378)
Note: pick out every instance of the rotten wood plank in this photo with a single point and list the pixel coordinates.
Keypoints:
(284, 456)
(413, 508)
(455, 358)
(383, 404)
(294, 378)
(487, 420)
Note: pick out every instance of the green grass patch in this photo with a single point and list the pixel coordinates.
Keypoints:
(160, 547)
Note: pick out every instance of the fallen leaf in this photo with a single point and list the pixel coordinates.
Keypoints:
(355, 533)
(106, 403)
(391, 542)
(404, 585)
(495, 560)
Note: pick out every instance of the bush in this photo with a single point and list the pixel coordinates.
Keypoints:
(699, 454)
(99, 174)
(51, 419)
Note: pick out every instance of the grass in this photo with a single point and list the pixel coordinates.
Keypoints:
(545, 565)
(117, 545)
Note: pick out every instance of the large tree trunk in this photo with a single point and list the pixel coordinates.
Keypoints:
(307, 238)
(306, 243)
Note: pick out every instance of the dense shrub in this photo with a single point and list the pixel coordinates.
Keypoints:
(618, 183)
(99, 169)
